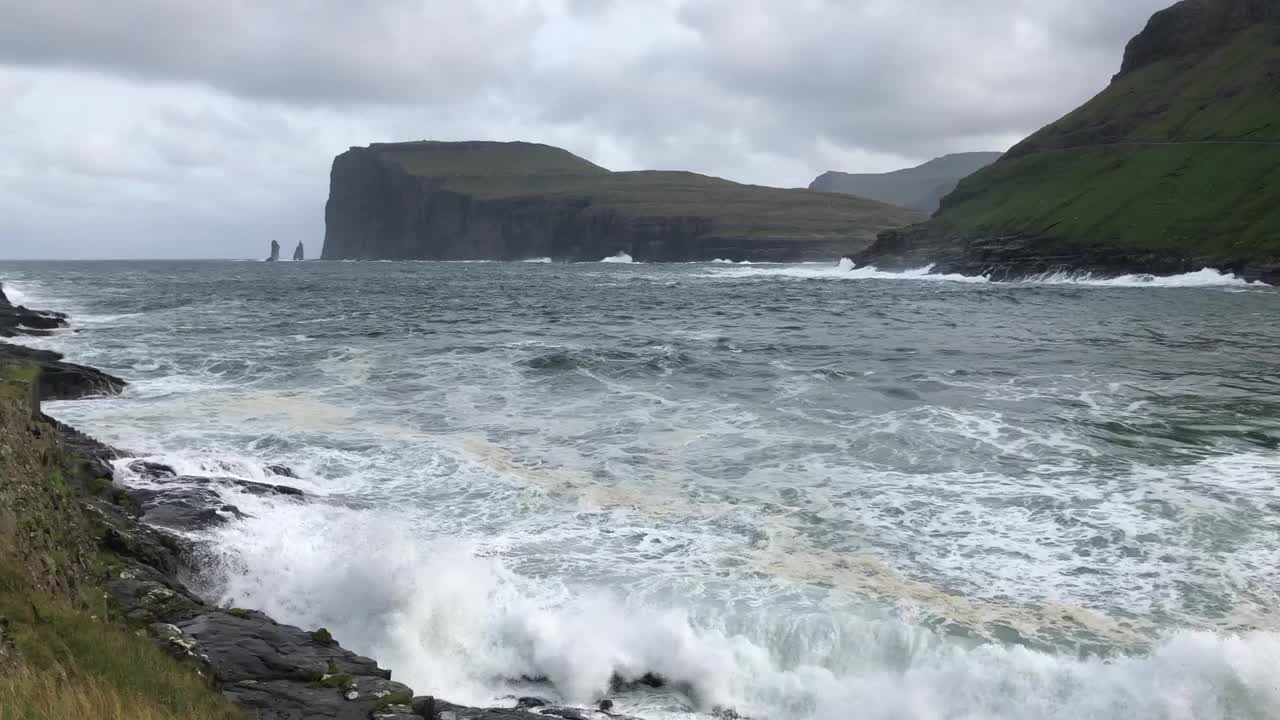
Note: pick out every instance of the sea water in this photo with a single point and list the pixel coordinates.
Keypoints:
(793, 491)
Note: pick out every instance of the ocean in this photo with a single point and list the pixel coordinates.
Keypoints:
(791, 491)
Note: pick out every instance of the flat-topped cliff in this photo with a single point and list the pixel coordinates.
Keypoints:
(511, 201)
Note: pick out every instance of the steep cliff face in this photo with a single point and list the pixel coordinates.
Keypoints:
(509, 201)
(1175, 166)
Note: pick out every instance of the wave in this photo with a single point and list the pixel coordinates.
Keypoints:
(465, 627)
(846, 269)
(540, 260)
(17, 294)
(1206, 277)
(621, 258)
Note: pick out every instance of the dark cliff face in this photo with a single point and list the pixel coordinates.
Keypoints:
(1193, 25)
(377, 209)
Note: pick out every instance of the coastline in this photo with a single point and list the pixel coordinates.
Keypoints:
(270, 670)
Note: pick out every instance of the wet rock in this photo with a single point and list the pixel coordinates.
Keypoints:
(396, 712)
(250, 486)
(290, 700)
(152, 470)
(282, 471)
(531, 702)
(63, 380)
(251, 646)
(184, 508)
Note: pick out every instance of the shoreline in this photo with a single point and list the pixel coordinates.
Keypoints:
(270, 670)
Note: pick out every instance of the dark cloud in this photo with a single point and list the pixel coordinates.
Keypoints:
(128, 121)
(317, 51)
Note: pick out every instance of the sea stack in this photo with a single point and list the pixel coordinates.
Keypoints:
(275, 251)
(298, 254)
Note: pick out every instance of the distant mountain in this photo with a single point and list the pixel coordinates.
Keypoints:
(510, 201)
(919, 188)
(1173, 167)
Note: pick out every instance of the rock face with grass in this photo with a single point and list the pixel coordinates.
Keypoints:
(920, 188)
(1173, 167)
(512, 201)
(58, 380)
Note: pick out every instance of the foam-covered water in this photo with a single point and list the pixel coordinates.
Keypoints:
(910, 495)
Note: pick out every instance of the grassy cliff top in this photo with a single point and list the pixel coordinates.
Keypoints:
(1179, 155)
(525, 171)
(485, 159)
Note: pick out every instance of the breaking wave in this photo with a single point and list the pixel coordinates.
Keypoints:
(454, 622)
(846, 269)
(621, 258)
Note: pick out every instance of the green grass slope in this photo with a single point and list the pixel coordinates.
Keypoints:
(62, 653)
(1180, 156)
(518, 170)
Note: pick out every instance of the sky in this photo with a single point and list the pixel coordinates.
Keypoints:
(198, 129)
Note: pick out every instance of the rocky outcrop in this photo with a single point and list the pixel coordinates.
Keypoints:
(511, 201)
(299, 253)
(1191, 26)
(921, 187)
(59, 380)
(275, 252)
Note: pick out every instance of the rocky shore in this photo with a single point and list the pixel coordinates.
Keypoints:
(270, 670)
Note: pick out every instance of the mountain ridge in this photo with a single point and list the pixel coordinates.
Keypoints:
(1174, 166)
(921, 187)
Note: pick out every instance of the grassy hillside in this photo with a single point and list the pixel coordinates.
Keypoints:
(1181, 156)
(62, 655)
(526, 170)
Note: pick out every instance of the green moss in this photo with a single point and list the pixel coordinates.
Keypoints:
(238, 612)
(399, 697)
(322, 636)
(341, 681)
(19, 373)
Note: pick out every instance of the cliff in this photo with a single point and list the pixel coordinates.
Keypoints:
(1173, 167)
(920, 188)
(510, 201)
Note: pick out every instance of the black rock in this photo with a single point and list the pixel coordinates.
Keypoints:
(152, 470)
(63, 380)
(282, 471)
(184, 508)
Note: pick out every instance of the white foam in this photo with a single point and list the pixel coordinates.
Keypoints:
(1206, 277)
(846, 269)
(621, 258)
(463, 627)
(540, 260)
(17, 294)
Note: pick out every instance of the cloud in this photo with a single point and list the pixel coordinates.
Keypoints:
(185, 128)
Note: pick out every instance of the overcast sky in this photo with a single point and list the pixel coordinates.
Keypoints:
(192, 128)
